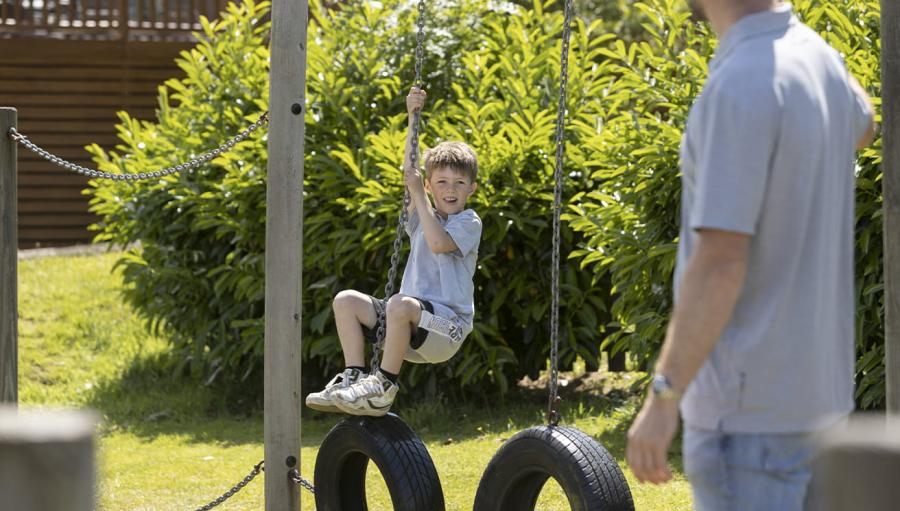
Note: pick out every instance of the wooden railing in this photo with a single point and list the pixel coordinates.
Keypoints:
(105, 19)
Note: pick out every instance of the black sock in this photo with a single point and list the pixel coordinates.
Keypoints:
(390, 376)
(358, 368)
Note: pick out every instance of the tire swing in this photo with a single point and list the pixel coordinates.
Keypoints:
(587, 473)
(400, 455)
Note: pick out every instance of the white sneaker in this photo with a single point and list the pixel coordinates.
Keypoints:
(322, 401)
(372, 395)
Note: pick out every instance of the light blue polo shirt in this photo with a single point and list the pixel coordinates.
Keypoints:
(446, 279)
(769, 150)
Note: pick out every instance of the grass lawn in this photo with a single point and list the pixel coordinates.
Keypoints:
(168, 443)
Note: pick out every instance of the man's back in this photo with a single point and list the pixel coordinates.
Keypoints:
(768, 151)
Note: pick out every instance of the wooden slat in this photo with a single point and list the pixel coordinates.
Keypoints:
(65, 52)
(69, 179)
(77, 87)
(47, 192)
(72, 10)
(44, 167)
(68, 234)
(72, 220)
(23, 100)
(73, 139)
(89, 74)
(49, 126)
(70, 153)
(56, 206)
(75, 112)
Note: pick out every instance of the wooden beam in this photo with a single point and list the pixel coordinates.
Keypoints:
(47, 460)
(859, 465)
(9, 307)
(284, 249)
(890, 131)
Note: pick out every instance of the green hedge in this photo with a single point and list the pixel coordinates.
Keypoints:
(491, 75)
(492, 81)
(630, 216)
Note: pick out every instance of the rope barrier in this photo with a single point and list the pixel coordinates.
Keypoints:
(190, 165)
(294, 476)
(234, 489)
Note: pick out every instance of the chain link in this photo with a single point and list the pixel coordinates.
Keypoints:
(552, 412)
(236, 488)
(96, 174)
(295, 476)
(404, 212)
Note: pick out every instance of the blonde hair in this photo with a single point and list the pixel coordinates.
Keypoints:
(454, 155)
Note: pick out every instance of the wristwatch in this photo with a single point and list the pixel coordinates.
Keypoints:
(663, 389)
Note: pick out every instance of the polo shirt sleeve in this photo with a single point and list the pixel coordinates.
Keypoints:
(412, 222)
(737, 136)
(465, 229)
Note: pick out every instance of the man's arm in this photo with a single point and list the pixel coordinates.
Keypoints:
(869, 136)
(709, 291)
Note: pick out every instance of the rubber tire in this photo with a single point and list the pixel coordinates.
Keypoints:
(404, 462)
(587, 473)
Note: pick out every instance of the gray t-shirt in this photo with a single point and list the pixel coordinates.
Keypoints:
(446, 278)
(769, 151)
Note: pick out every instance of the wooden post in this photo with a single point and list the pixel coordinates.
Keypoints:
(9, 307)
(284, 250)
(860, 466)
(890, 131)
(47, 460)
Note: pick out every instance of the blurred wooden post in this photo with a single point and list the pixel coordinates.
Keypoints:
(284, 250)
(9, 308)
(890, 130)
(47, 460)
(860, 466)
(123, 20)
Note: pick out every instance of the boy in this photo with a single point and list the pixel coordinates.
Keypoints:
(432, 315)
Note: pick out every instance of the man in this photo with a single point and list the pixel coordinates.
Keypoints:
(759, 351)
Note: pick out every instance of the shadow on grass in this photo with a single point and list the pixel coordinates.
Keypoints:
(150, 400)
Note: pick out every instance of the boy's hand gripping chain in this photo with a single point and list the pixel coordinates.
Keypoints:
(404, 212)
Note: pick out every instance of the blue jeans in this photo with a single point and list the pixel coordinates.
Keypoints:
(749, 472)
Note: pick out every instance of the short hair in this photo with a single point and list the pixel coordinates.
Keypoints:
(454, 155)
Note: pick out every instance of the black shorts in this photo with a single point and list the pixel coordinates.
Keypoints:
(416, 340)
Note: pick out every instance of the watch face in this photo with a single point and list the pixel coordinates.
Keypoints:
(663, 388)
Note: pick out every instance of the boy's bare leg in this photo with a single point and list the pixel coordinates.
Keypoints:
(351, 310)
(403, 313)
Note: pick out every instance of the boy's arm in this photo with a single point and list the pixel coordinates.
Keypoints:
(407, 162)
(439, 241)
(437, 238)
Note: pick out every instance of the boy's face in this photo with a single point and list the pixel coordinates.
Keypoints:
(450, 189)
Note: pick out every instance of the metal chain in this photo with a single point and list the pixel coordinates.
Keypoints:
(295, 476)
(236, 488)
(190, 165)
(404, 212)
(552, 412)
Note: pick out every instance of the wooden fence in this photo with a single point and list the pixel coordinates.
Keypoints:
(69, 66)
(107, 19)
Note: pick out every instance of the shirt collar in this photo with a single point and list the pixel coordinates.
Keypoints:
(755, 24)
